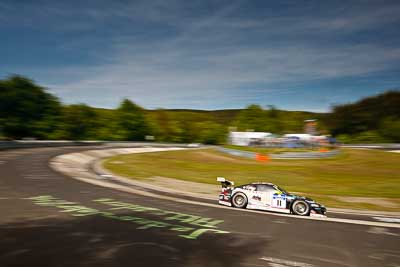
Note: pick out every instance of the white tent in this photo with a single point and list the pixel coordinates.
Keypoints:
(246, 138)
(307, 137)
(301, 137)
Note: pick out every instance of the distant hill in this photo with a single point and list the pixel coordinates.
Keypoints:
(226, 116)
(290, 120)
(219, 116)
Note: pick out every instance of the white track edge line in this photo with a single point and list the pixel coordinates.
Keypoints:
(143, 193)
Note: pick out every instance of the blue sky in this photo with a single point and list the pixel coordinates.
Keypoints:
(296, 55)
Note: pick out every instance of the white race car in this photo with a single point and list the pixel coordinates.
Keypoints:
(269, 197)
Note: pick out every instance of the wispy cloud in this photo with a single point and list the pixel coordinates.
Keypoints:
(180, 54)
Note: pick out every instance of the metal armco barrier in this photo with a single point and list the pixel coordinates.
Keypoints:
(59, 143)
(33, 144)
(285, 155)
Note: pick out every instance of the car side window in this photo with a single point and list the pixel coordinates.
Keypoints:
(248, 187)
(265, 188)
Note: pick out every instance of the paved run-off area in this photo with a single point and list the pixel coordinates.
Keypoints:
(52, 220)
(356, 179)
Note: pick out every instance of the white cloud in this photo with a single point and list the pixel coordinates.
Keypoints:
(169, 74)
(217, 56)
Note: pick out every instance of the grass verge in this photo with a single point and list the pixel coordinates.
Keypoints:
(354, 173)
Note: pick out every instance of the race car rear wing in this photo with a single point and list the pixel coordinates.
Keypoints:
(224, 183)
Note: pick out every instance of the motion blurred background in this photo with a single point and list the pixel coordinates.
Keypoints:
(258, 77)
(29, 111)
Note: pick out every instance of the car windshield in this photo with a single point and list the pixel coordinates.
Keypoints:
(282, 190)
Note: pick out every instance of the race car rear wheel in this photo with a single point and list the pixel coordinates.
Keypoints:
(300, 207)
(239, 200)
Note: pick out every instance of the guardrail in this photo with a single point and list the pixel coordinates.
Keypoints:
(285, 155)
(373, 146)
(44, 143)
(59, 143)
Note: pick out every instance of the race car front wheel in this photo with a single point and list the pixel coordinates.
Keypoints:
(300, 207)
(239, 200)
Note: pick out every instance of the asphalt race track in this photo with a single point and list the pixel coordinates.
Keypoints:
(48, 219)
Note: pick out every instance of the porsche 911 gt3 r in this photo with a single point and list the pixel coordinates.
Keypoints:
(269, 197)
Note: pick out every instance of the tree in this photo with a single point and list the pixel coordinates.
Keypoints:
(26, 109)
(252, 118)
(364, 115)
(390, 129)
(210, 132)
(79, 122)
(131, 120)
(164, 127)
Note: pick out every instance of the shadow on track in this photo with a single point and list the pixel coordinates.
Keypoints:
(97, 241)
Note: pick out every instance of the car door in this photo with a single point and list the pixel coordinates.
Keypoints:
(265, 192)
(254, 197)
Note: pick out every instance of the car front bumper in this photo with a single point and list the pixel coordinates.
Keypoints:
(318, 211)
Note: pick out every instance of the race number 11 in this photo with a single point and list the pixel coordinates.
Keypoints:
(279, 203)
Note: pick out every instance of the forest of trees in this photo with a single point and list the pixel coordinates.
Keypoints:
(27, 110)
(373, 119)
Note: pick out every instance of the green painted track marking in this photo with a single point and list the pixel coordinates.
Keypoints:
(75, 209)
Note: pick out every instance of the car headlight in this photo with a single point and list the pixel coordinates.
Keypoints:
(314, 205)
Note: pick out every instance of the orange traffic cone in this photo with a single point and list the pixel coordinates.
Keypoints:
(261, 157)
